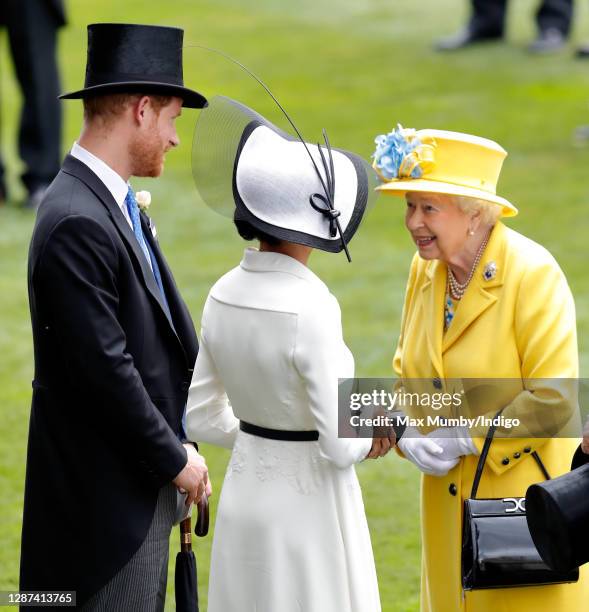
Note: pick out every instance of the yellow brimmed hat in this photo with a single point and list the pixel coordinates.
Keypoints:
(438, 161)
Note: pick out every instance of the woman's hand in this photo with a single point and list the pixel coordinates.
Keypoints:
(455, 442)
(425, 453)
(384, 439)
(381, 446)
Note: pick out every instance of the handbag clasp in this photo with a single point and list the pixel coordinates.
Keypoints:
(519, 504)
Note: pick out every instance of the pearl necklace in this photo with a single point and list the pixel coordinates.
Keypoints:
(457, 289)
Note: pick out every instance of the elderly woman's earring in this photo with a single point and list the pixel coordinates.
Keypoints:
(470, 232)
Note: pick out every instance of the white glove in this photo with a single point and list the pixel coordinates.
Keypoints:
(455, 442)
(425, 453)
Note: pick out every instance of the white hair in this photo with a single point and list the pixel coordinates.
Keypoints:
(489, 211)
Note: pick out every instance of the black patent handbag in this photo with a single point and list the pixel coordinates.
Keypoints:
(497, 548)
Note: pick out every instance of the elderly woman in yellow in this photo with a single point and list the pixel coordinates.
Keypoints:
(482, 302)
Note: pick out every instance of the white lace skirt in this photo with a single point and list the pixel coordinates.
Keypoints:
(291, 534)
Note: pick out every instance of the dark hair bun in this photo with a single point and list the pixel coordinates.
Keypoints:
(248, 232)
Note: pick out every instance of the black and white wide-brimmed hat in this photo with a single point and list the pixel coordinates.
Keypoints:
(248, 169)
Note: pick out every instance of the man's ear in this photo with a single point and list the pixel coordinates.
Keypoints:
(141, 109)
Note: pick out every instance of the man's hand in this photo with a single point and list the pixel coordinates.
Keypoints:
(194, 477)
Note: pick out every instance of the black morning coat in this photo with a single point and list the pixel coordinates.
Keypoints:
(111, 380)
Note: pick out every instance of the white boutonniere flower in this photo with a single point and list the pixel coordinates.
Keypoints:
(143, 199)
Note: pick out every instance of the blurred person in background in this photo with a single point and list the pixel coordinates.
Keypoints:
(32, 27)
(487, 23)
(582, 51)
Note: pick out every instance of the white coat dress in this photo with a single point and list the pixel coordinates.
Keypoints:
(291, 532)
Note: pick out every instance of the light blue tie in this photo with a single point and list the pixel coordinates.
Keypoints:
(133, 210)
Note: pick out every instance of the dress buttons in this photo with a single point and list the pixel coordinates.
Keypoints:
(184, 385)
(437, 383)
(453, 489)
(505, 461)
(517, 455)
(528, 449)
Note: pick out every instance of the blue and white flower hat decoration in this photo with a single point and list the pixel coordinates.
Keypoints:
(440, 161)
(400, 154)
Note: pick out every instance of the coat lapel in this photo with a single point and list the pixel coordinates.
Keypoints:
(182, 322)
(433, 292)
(477, 298)
(78, 169)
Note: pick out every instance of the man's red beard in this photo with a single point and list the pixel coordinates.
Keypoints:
(147, 156)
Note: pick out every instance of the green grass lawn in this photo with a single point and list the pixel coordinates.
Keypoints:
(357, 68)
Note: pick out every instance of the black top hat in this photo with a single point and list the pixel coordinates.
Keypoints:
(128, 58)
(557, 511)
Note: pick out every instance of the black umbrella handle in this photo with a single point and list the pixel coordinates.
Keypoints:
(202, 522)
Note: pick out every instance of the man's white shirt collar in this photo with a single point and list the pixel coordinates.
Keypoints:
(113, 181)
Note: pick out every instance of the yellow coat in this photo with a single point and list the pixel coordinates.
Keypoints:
(518, 325)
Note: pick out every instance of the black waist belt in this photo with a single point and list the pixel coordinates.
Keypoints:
(279, 434)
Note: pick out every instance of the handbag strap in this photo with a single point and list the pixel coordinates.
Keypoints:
(483, 457)
(485, 452)
(541, 465)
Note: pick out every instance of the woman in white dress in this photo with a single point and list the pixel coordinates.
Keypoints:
(291, 531)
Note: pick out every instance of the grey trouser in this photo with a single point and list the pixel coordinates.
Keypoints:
(140, 586)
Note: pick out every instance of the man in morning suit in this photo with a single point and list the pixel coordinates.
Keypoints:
(114, 343)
